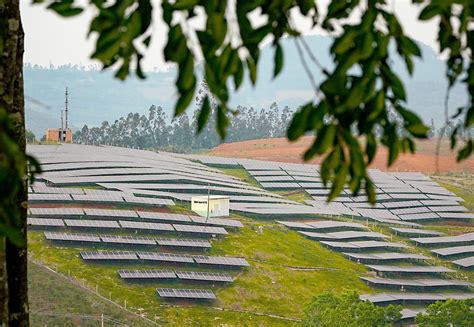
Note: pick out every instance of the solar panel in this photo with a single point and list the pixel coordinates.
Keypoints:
(415, 232)
(41, 188)
(49, 197)
(465, 262)
(146, 226)
(345, 235)
(199, 294)
(204, 276)
(456, 215)
(221, 261)
(165, 257)
(147, 274)
(410, 269)
(45, 222)
(363, 245)
(294, 224)
(56, 211)
(55, 236)
(417, 297)
(122, 239)
(282, 185)
(217, 221)
(109, 255)
(333, 224)
(199, 229)
(189, 243)
(419, 216)
(101, 197)
(110, 213)
(163, 216)
(457, 208)
(406, 211)
(385, 256)
(428, 282)
(144, 200)
(463, 238)
(455, 250)
(91, 223)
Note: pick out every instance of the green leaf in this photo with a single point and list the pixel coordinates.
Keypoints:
(344, 42)
(371, 147)
(186, 79)
(339, 182)
(252, 70)
(183, 102)
(377, 106)
(465, 152)
(393, 147)
(222, 121)
(429, 12)
(184, 4)
(394, 83)
(278, 60)
(239, 75)
(418, 130)
(65, 8)
(298, 122)
(305, 6)
(204, 114)
(369, 190)
(147, 40)
(410, 46)
(469, 117)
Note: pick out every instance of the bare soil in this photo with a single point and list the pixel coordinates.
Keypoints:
(280, 149)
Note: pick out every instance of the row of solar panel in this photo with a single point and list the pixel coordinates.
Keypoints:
(126, 240)
(170, 274)
(160, 216)
(102, 198)
(125, 224)
(164, 257)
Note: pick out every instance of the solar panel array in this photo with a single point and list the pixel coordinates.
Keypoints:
(199, 294)
(127, 240)
(401, 197)
(166, 257)
(159, 178)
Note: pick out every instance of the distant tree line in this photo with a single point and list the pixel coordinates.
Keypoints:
(156, 131)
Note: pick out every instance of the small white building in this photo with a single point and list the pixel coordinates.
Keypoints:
(218, 205)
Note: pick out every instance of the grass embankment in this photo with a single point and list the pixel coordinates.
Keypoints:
(274, 284)
(242, 174)
(55, 301)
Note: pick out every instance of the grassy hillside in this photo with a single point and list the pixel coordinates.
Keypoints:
(55, 301)
(286, 271)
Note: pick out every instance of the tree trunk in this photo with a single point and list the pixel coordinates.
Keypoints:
(12, 99)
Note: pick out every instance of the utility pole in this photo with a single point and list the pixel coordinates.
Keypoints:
(208, 200)
(66, 107)
(102, 319)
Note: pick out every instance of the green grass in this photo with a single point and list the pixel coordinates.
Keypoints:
(52, 298)
(242, 174)
(300, 196)
(269, 286)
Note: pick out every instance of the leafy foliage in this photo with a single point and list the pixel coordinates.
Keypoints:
(449, 313)
(355, 104)
(13, 163)
(348, 310)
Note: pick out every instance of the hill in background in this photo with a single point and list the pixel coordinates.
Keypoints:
(96, 96)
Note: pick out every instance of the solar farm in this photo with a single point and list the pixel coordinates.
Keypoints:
(120, 220)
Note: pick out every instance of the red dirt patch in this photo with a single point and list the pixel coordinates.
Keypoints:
(280, 149)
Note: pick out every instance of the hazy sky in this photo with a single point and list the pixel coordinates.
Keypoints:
(52, 39)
